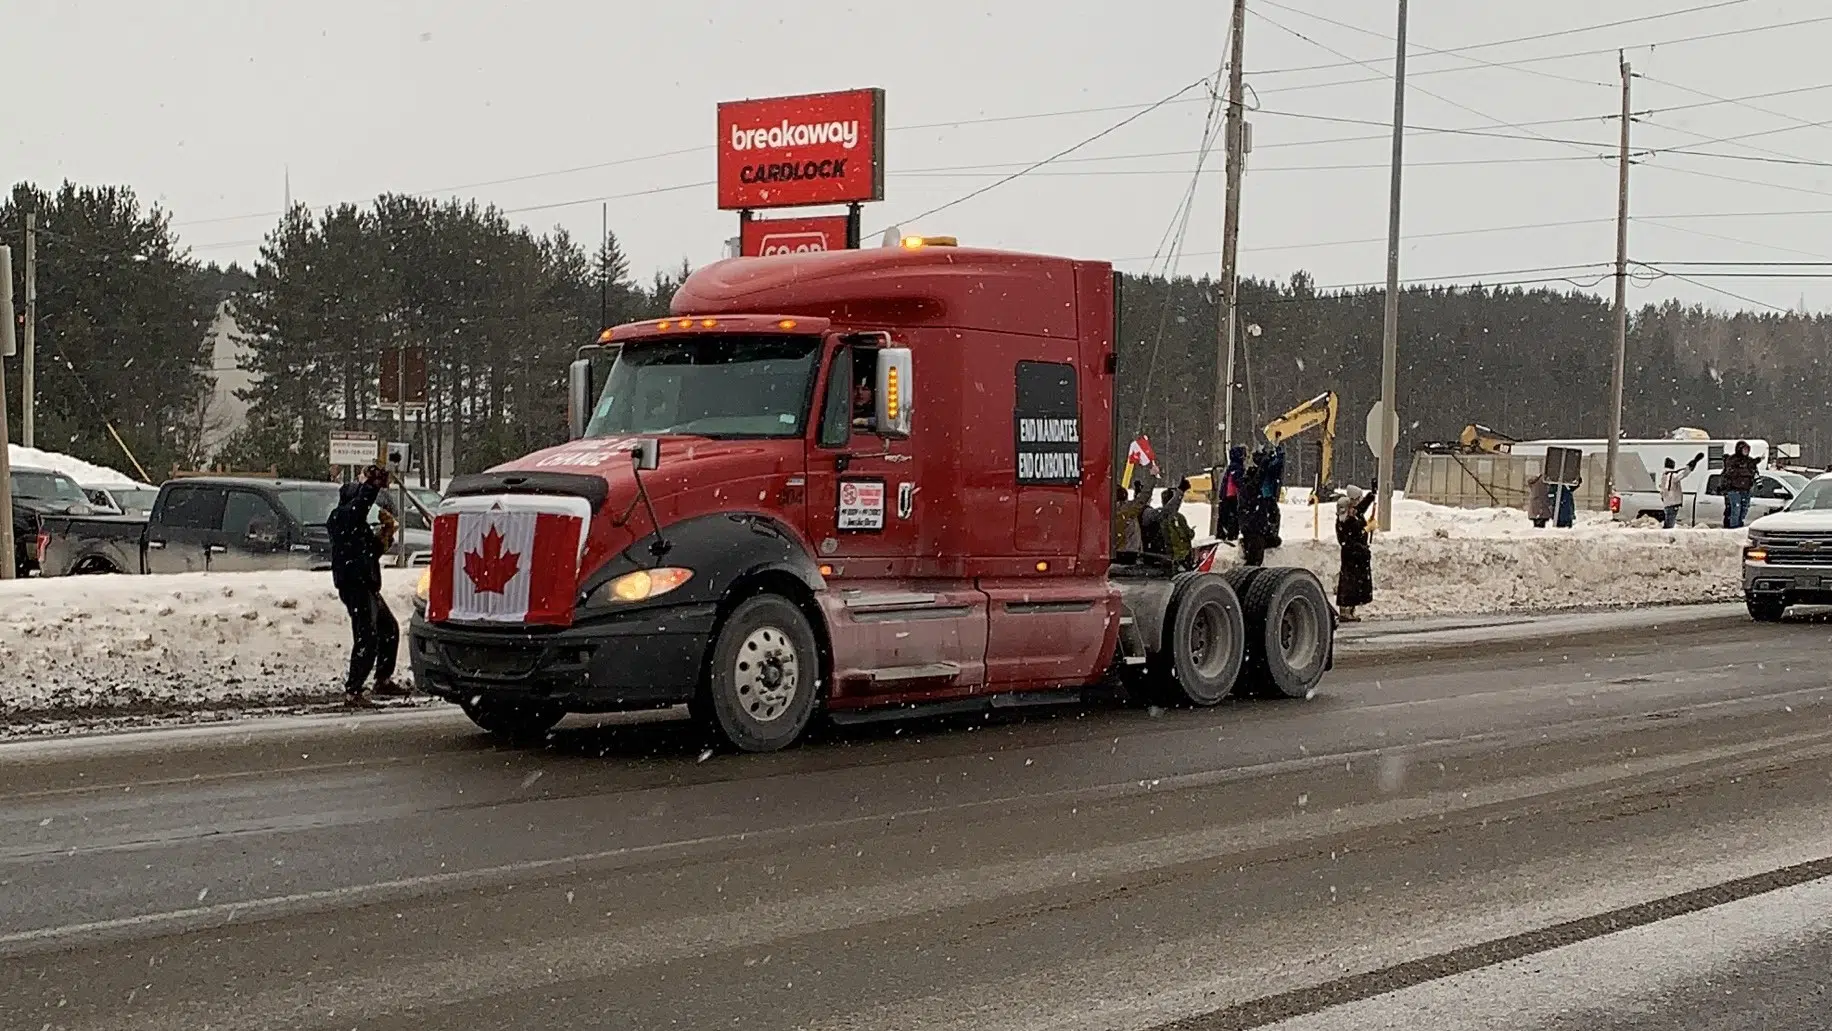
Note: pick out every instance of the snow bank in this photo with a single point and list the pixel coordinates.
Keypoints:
(82, 472)
(1438, 559)
(70, 645)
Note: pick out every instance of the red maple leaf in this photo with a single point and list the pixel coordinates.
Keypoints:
(489, 568)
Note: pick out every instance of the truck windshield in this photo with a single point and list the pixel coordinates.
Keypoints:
(1816, 497)
(43, 486)
(716, 385)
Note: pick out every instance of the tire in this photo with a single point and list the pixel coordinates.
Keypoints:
(1765, 610)
(514, 721)
(764, 676)
(1289, 627)
(1204, 640)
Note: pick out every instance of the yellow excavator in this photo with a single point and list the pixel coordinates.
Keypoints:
(1319, 411)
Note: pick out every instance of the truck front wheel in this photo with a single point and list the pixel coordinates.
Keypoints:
(1765, 610)
(765, 671)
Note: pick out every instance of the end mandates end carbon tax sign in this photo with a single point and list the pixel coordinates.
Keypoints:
(818, 148)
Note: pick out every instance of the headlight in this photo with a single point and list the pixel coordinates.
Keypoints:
(640, 585)
(424, 588)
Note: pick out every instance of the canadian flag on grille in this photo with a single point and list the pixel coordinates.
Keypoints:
(504, 565)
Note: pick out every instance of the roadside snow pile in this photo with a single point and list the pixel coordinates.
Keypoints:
(74, 645)
(1438, 559)
(84, 473)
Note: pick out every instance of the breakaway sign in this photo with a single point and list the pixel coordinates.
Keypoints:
(760, 237)
(818, 148)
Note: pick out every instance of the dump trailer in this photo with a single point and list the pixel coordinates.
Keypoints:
(859, 484)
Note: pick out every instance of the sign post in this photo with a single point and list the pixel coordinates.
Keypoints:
(7, 347)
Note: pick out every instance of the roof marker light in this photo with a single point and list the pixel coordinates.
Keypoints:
(786, 324)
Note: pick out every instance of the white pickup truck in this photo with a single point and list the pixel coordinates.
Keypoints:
(1773, 490)
(1788, 560)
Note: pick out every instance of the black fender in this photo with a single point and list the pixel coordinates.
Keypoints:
(726, 551)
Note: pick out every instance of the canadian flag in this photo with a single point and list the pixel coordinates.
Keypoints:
(1140, 453)
(507, 563)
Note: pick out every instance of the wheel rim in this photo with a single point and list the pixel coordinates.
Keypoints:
(1208, 640)
(1300, 634)
(766, 674)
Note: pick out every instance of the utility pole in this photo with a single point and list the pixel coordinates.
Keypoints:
(1222, 424)
(1389, 337)
(28, 356)
(1615, 378)
(6, 464)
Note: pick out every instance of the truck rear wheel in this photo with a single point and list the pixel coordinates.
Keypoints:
(1288, 633)
(765, 671)
(1203, 642)
(516, 721)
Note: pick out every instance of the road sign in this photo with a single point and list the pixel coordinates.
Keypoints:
(402, 367)
(1376, 439)
(354, 447)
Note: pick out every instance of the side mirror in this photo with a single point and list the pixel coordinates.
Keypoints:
(646, 455)
(896, 391)
(578, 397)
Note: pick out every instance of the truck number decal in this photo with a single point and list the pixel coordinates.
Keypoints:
(861, 505)
(1047, 425)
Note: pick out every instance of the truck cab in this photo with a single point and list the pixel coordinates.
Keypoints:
(861, 481)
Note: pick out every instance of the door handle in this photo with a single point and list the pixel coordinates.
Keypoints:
(215, 549)
(156, 545)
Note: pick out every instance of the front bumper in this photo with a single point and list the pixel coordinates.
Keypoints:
(637, 660)
(1794, 584)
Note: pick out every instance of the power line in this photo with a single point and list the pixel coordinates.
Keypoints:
(1717, 289)
(1410, 47)
(1719, 236)
(1483, 133)
(1568, 55)
(1736, 179)
(1414, 86)
(1115, 127)
(973, 172)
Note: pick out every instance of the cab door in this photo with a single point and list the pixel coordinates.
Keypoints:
(253, 535)
(895, 632)
(184, 528)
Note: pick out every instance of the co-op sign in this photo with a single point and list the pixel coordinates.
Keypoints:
(819, 148)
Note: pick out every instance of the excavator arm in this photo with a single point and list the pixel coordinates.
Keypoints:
(1319, 411)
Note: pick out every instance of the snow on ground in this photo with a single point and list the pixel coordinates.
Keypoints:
(74, 645)
(84, 646)
(82, 472)
(1438, 559)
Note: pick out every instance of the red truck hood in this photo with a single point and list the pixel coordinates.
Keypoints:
(695, 473)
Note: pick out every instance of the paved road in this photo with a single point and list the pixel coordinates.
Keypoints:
(1413, 827)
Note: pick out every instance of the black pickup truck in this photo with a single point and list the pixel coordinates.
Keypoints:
(209, 524)
(38, 493)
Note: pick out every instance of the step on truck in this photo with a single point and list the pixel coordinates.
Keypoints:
(859, 484)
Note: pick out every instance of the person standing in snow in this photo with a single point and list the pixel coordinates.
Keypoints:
(1355, 576)
(1271, 462)
(1673, 488)
(1539, 500)
(1173, 528)
(1739, 479)
(1567, 505)
(356, 572)
(1228, 495)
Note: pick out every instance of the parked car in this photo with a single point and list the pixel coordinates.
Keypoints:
(1788, 560)
(36, 493)
(1704, 502)
(118, 500)
(209, 524)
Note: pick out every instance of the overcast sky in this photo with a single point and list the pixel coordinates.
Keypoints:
(544, 107)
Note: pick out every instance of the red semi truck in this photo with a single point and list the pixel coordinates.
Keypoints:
(864, 482)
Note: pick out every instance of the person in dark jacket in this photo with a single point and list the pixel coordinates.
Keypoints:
(1355, 578)
(1228, 495)
(356, 572)
(1271, 462)
(1739, 479)
(1254, 523)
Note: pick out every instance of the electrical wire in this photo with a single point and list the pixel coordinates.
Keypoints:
(1720, 237)
(1716, 289)
(1533, 38)
(1109, 130)
(1413, 86)
(1412, 46)
(1736, 179)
